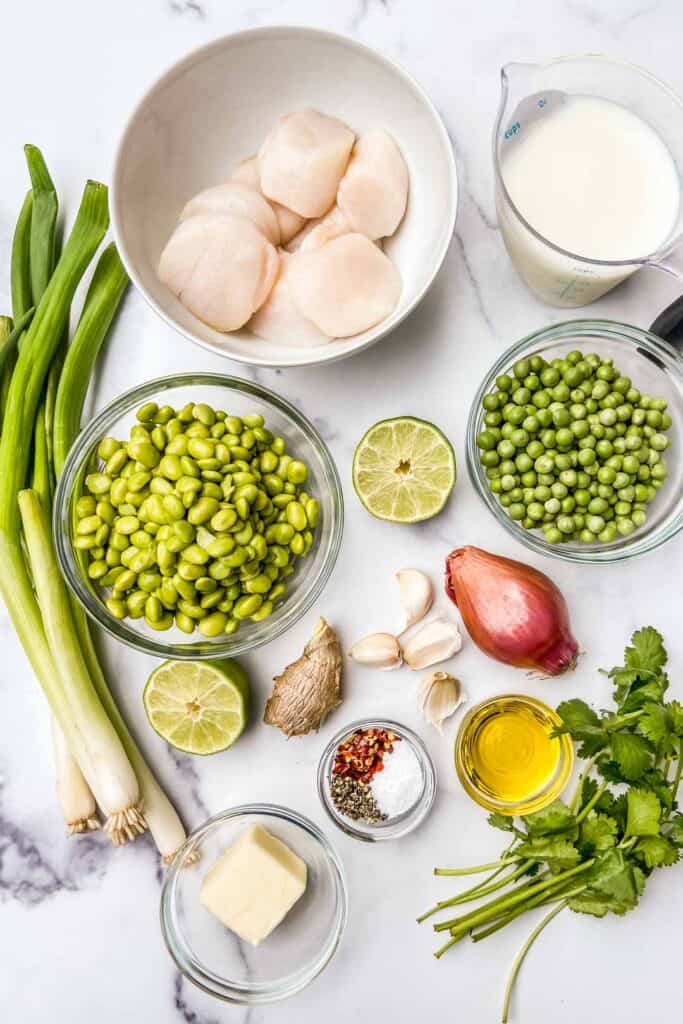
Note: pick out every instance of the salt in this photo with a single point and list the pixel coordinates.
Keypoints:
(399, 785)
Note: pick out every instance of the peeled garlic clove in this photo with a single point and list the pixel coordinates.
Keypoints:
(434, 642)
(416, 593)
(380, 650)
(439, 696)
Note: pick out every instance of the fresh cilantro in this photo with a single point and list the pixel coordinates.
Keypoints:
(598, 833)
(500, 821)
(644, 813)
(596, 853)
(656, 851)
(675, 833)
(632, 753)
(556, 817)
(555, 850)
(646, 652)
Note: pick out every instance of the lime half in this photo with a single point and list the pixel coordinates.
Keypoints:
(200, 707)
(404, 470)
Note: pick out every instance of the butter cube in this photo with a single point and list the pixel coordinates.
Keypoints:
(254, 884)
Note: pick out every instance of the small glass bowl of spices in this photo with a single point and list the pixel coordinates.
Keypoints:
(376, 780)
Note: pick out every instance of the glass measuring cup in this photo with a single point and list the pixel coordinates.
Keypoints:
(533, 91)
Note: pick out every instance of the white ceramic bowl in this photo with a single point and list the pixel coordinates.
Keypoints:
(214, 109)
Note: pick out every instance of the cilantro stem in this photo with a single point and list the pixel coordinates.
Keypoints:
(490, 911)
(540, 901)
(579, 786)
(478, 891)
(679, 771)
(481, 867)
(519, 959)
(591, 803)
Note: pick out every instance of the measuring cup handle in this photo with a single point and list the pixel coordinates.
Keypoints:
(669, 323)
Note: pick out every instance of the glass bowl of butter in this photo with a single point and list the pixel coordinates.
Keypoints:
(254, 904)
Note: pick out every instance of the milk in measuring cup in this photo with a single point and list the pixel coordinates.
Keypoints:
(592, 178)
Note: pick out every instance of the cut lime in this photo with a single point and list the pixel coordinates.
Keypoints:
(404, 470)
(200, 707)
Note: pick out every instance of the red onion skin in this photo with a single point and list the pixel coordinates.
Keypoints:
(513, 612)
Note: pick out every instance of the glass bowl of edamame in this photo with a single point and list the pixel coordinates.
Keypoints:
(198, 516)
(574, 441)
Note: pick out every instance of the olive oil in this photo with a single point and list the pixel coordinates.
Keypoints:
(507, 759)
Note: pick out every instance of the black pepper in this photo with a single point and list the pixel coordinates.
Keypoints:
(354, 800)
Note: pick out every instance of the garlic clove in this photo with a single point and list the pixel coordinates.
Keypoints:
(439, 696)
(380, 650)
(434, 642)
(416, 593)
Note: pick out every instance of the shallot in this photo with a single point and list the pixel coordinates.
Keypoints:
(513, 612)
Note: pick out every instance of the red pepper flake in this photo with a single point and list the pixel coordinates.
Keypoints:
(361, 754)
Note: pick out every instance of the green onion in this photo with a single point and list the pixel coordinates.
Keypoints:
(21, 260)
(92, 737)
(102, 300)
(104, 295)
(74, 794)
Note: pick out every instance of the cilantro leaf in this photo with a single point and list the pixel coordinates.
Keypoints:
(632, 753)
(598, 833)
(646, 651)
(657, 781)
(611, 878)
(656, 851)
(676, 832)
(556, 817)
(611, 772)
(582, 724)
(653, 723)
(644, 692)
(588, 791)
(676, 717)
(500, 821)
(556, 850)
(644, 813)
(585, 903)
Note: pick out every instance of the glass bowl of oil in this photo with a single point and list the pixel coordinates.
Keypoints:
(506, 757)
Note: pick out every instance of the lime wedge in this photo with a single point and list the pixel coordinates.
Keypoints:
(404, 470)
(200, 707)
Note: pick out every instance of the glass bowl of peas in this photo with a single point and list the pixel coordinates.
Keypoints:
(198, 516)
(574, 441)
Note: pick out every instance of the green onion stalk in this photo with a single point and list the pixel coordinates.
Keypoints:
(106, 289)
(52, 648)
(37, 234)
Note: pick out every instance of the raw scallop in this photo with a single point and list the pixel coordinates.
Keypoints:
(221, 268)
(289, 222)
(302, 161)
(345, 287)
(240, 200)
(279, 319)
(374, 190)
(317, 232)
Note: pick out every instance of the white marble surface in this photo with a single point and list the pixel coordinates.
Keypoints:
(79, 935)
